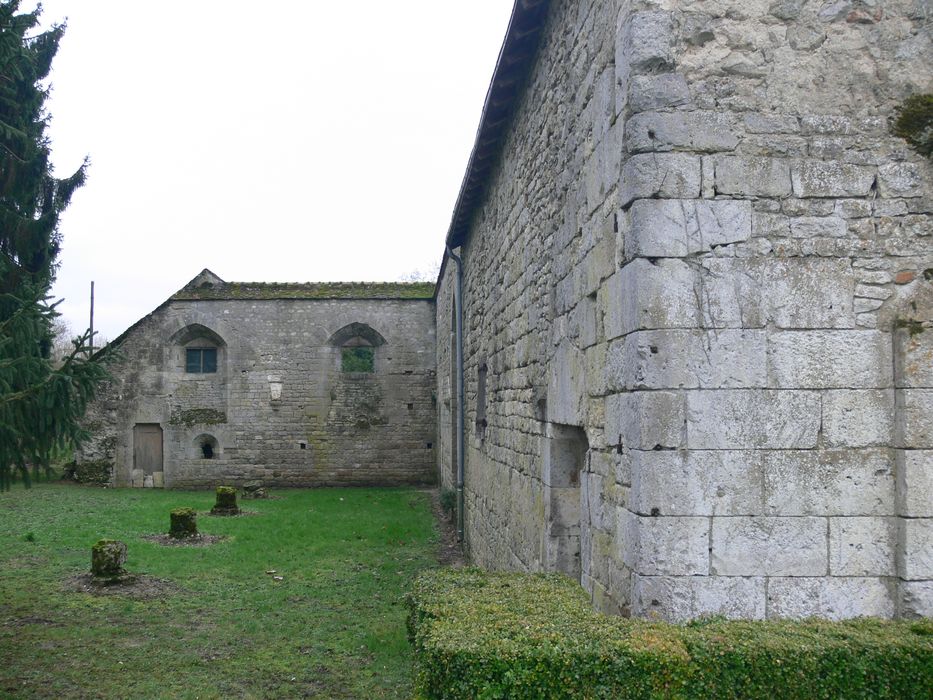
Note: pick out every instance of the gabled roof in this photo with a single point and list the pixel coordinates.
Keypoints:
(206, 285)
(505, 89)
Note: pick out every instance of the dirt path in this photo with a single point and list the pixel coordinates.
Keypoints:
(449, 552)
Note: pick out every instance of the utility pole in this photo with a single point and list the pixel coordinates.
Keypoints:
(92, 317)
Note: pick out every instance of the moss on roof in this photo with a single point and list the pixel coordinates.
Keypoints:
(308, 290)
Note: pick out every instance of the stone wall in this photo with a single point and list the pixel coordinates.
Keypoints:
(279, 409)
(704, 262)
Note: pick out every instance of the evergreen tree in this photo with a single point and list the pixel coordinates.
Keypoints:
(40, 405)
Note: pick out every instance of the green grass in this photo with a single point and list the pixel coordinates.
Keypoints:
(333, 628)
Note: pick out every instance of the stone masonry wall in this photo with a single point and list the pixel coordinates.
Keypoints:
(279, 407)
(704, 251)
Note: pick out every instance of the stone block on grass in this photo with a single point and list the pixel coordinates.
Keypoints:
(226, 502)
(183, 523)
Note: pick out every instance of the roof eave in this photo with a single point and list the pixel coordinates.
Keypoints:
(515, 59)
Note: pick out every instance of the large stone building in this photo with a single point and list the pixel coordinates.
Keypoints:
(288, 384)
(697, 303)
(697, 300)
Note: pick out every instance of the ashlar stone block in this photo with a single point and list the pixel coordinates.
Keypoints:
(649, 295)
(914, 418)
(915, 483)
(766, 546)
(817, 178)
(696, 131)
(680, 598)
(829, 482)
(687, 359)
(752, 418)
(657, 91)
(677, 228)
(831, 597)
(862, 546)
(915, 549)
(753, 176)
(673, 546)
(645, 420)
(697, 482)
(821, 359)
(859, 417)
(916, 599)
(664, 175)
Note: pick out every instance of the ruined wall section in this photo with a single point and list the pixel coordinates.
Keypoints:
(279, 409)
(696, 248)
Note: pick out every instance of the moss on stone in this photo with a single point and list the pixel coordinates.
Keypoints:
(914, 123)
(108, 558)
(183, 523)
(95, 472)
(310, 290)
(912, 327)
(225, 503)
(197, 416)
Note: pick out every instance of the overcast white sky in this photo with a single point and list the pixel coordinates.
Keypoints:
(277, 141)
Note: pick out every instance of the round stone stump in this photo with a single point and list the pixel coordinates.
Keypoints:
(226, 501)
(183, 523)
(107, 559)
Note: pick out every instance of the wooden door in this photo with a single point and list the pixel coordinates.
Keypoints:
(147, 442)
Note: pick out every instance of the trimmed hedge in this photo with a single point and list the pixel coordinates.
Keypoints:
(495, 635)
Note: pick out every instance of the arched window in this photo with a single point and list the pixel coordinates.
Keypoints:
(198, 350)
(357, 343)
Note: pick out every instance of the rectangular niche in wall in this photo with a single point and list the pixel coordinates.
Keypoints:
(564, 460)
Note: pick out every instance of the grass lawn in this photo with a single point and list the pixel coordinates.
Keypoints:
(332, 628)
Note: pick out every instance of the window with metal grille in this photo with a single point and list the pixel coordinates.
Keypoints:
(200, 360)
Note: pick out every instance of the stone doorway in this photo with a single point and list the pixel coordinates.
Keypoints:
(147, 455)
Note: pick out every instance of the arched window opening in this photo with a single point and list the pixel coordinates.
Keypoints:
(357, 343)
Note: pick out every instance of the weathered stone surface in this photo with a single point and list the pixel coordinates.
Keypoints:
(829, 359)
(715, 482)
(627, 308)
(677, 227)
(566, 386)
(644, 420)
(696, 131)
(858, 418)
(829, 482)
(862, 546)
(810, 293)
(225, 503)
(740, 175)
(817, 178)
(900, 180)
(915, 483)
(679, 598)
(686, 359)
(765, 546)
(818, 226)
(827, 254)
(183, 522)
(745, 419)
(664, 175)
(915, 549)
(673, 546)
(108, 558)
(916, 599)
(914, 418)
(830, 597)
(657, 91)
